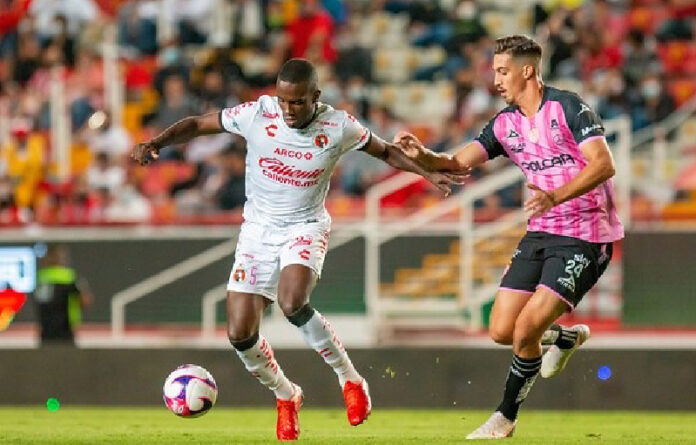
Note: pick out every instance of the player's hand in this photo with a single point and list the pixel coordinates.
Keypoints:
(409, 144)
(145, 152)
(444, 181)
(449, 165)
(539, 202)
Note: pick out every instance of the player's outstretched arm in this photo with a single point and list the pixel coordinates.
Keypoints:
(599, 168)
(177, 133)
(395, 156)
(467, 157)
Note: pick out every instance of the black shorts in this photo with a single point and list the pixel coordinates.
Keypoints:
(567, 266)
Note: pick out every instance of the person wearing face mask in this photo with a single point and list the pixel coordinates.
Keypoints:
(653, 104)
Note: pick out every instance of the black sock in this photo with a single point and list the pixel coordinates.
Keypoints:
(519, 381)
(556, 335)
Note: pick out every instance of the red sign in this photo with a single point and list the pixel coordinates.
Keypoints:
(10, 303)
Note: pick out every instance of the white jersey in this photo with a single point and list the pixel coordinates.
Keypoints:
(288, 169)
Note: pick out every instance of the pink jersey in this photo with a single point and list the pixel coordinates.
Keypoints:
(547, 149)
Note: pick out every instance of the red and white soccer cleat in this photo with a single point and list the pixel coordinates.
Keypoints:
(358, 402)
(288, 425)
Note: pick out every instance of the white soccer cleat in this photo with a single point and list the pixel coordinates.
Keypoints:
(496, 427)
(555, 359)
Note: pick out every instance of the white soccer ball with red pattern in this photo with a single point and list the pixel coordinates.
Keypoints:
(190, 391)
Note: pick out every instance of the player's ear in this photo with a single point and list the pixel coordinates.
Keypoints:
(528, 71)
(315, 96)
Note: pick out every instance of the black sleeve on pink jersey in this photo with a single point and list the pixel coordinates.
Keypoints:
(582, 120)
(489, 142)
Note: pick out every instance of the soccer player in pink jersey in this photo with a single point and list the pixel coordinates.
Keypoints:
(559, 144)
(293, 144)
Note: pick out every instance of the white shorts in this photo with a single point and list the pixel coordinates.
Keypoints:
(263, 251)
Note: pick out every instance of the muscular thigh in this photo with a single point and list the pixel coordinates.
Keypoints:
(244, 313)
(506, 308)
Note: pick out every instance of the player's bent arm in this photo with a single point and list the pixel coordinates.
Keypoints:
(177, 133)
(599, 168)
(188, 128)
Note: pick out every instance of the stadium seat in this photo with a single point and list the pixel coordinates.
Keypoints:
(682, 90)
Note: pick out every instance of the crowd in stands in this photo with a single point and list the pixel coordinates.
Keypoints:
(388, 62)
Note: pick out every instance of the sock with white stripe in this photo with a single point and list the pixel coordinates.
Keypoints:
(523, 372)
(257, 355)
(557, 335)
(320, 336)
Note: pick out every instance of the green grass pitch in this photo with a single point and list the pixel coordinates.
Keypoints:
(97, 425)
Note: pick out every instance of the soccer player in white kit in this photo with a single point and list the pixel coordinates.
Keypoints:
(293, 144)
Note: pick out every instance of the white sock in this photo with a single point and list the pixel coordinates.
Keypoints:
(320, 336)
(261, 363)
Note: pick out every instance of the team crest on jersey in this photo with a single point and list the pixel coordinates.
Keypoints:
(239, 275)
(321, 140)
(512, 134)
(554, 123)
(271, 130)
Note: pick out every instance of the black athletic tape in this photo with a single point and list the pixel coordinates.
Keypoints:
(243, 345)
(301, 316)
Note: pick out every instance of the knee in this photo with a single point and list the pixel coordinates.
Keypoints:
(500, 334)
(239, 333)
(525, 335)
(291, 301)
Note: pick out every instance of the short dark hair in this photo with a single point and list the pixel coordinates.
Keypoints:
(519, 46)
(299, 71)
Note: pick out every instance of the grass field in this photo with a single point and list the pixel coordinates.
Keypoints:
(85, 425)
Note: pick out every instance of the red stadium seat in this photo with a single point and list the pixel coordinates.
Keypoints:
(647, 18)
(674, 55)
(682, 90)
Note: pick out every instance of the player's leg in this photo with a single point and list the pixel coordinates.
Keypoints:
(536, 316)
(295, 286)
(516, 287)
(576, 271)
(251, 288)
(244, 312)
(506, 308)
(301, 261)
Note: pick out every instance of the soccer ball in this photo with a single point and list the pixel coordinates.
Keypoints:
(190, 391)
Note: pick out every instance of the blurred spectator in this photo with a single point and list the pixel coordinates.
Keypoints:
(60, 297)
(311, 34)
(23, 157)
(176, 104)
(125, 204)
(137, 28)
(654, 104)
(193, 19)
(105, 174)
(230, 194)
(74, 12)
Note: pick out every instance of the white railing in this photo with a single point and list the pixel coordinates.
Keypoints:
(163, 278)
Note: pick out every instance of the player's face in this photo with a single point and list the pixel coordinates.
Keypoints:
(509, 77)
(298, 102)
